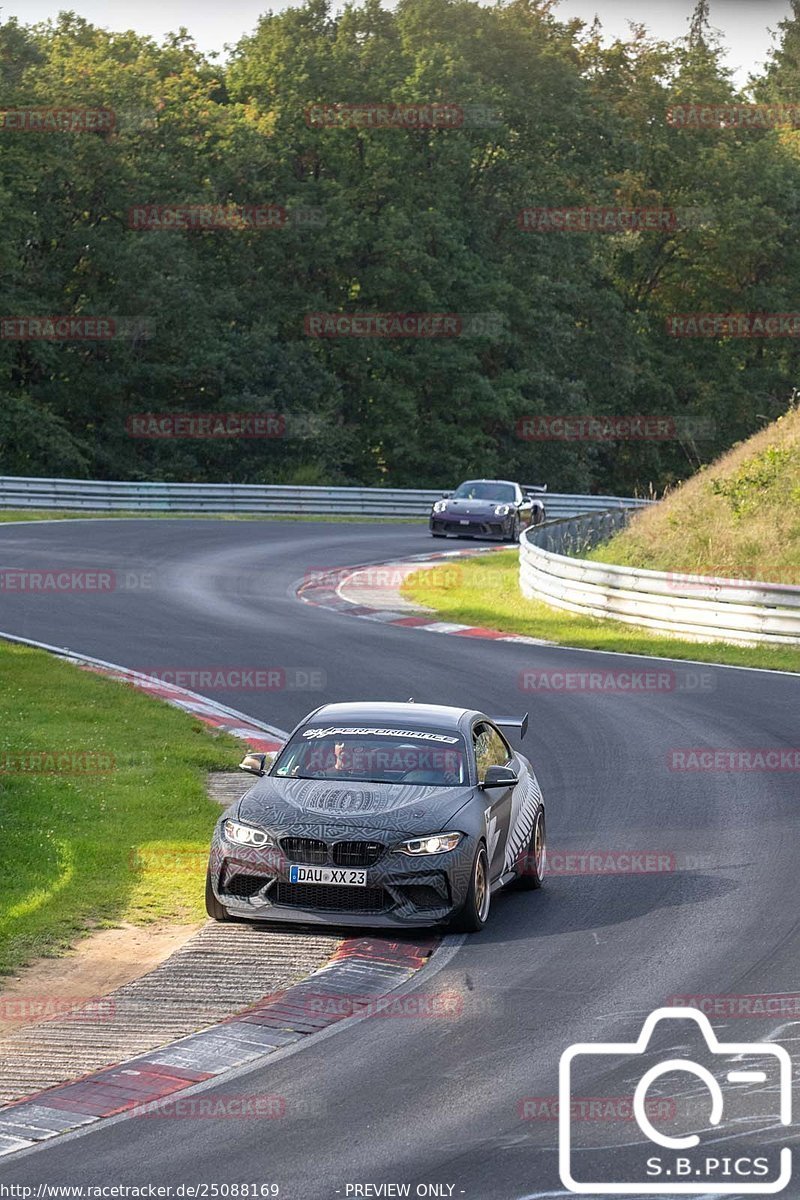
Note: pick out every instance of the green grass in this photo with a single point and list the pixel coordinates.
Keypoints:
(738, 518)
(485, 591)
(81, 851)
(7, 515)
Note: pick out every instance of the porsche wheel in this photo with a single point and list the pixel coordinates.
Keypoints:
(213, 906)
(475, 913)
(514, 535)
(534, 862)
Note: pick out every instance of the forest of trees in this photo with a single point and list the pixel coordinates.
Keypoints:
(376, 219)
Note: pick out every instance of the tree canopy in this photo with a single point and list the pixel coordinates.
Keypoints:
(516, 111)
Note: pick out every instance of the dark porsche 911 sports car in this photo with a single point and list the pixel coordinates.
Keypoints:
(381, 815)
(487, 508)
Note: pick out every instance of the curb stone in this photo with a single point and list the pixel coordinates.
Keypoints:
(368, 968)
(334, 590)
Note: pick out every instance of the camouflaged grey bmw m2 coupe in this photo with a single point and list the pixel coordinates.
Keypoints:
(381, 815)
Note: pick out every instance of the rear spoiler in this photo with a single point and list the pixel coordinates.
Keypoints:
(535, 487)
(520, 723)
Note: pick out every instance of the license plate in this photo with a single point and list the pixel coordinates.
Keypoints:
(463, 522)
(345, 876)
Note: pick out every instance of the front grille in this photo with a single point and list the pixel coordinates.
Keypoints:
(314, 852)
(311, 851)
(244, 886)
(331, 897)
(357, 854)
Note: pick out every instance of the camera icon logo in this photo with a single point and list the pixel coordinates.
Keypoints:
(686, 1162)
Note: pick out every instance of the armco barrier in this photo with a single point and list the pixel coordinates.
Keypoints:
(693, 607)
(94, 496)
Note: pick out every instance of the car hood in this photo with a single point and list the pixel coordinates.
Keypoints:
(474, 507)
(323, 807)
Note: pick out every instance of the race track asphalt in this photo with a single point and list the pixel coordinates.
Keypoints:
(434, 1100)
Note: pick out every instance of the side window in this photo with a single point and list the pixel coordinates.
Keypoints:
(500, 747)
(490, 749)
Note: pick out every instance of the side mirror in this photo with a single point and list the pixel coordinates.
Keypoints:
(500, 777)
(254, 764)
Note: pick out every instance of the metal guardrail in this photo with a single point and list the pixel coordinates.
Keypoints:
(692, 606)
(99, 496)
(695, 607)
(576, 534)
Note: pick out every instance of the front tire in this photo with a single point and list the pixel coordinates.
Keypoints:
(213, 906)
(514, 536)
(475, 913)
(534, 864)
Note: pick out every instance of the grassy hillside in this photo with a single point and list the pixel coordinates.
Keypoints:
(739, 517)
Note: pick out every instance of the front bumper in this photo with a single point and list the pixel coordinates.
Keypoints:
(499, 528)
(401, 891)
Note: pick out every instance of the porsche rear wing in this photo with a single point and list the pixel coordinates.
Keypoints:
(520, 723)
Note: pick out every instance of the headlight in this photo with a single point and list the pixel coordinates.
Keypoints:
(440, 506)
(502, 510)
(438, 843)
(245, 835)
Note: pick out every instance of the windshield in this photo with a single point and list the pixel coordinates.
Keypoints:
(504, 493)
(374, 755)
